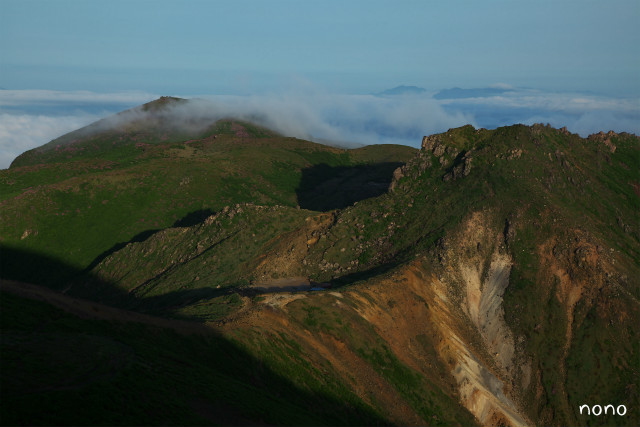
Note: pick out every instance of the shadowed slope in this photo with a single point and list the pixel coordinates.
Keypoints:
(129, 370)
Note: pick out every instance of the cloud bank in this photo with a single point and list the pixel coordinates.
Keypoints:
(582, 113)
(19, 133)
(345, 119)
(31, 118)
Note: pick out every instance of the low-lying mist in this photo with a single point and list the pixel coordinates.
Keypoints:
(342, 119)
(32, 118)
(347, 120)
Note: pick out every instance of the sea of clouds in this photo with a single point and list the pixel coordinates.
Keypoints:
(30, 118)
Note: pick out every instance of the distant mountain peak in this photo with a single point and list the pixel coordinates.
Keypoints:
(460, 93)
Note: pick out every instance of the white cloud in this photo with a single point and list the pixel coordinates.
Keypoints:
(582, 113)
(568, 102)
(30, 118)
(364, 119)
(308, 112)
(19, 133)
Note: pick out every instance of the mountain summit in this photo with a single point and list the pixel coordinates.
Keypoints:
(164, 120)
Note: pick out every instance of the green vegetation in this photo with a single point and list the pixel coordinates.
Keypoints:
(89, 205)
(90, 372)
(610, 347)
(420, 393)
(183, 222)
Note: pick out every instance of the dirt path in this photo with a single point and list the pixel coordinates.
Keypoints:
(93, 310)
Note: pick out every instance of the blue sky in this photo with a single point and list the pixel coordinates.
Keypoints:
(576, 63)
(352, 46)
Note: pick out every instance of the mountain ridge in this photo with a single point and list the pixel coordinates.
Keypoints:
(465, 282)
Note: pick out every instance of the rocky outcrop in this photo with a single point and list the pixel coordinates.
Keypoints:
(604, 138)
(397, 175)
(460, 169)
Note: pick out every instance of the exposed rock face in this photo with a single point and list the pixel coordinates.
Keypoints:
(564, 131)
(462, 311)
(428, 142)
(481, 391)
(460, 170)
(475, 275)
(604, 138)
(397, 175)
(438, 150)
(484, 306)
(434, 144)
(413, 169)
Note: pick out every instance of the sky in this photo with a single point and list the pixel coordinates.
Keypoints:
(65, 63)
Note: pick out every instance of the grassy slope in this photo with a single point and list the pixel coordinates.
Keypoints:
(94, 372)
(540, 191)
(77, 209)
(540, 182)
(424, 393)
(577, 192)
(197, 267)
